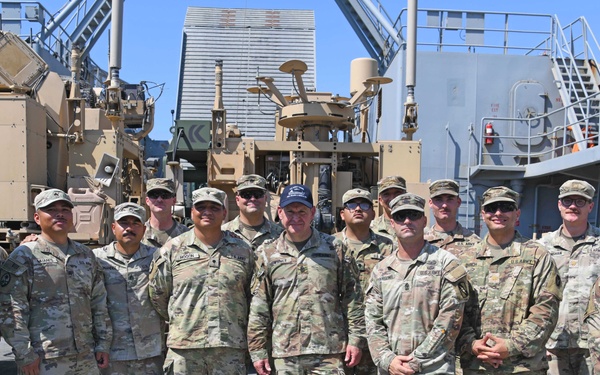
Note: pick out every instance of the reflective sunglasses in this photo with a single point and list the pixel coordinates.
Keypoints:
(579, 202)
(162, 194)
(504, 207)
(354, 205)
(412, 215)
(248, 194)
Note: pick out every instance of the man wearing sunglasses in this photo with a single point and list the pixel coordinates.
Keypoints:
(388, 188)
(518, 289)
(160, 199)
(251, 224)
(415, 300)
(367, 247)
(575, 247)
(200, 283)
(307, 306)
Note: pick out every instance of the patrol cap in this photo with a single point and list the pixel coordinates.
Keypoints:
(296, 193)
(407, 201)
(160, 184)
(444, 186)
(391, 182)
(130, 209)
(208, 194)
(577, 187)
(251, 181)
(500, 194)
(355, 194)
(47, 197)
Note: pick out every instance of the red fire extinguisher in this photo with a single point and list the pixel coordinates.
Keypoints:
(489, 133)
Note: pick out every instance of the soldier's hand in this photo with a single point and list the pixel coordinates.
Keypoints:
(353, 356)
(32, 369)
(262, 367)
(400, 366)
(482, 350)
(499, 347)
(102, 359)
(30, 238)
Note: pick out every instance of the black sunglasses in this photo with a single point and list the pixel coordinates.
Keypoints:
(579, 202)
(354, 205)
(504, 207)
(248, 194)
(412, 215)
(162, 194)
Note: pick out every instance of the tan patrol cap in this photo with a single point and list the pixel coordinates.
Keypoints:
(391, 182)
(441, 187)
(407, 201)
(47, 197)
(130, 209)
(355, 194)
(577, 187)
(208, 194)
(251, 181)
(160, 184)
(500, 194)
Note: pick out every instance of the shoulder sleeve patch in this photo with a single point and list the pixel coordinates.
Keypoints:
(455, 272)
(16, 268)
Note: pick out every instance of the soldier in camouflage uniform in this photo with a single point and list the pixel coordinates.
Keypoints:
(518, 289)
(307, 297)
(3, 254)
(137, 335)
(575, 247)
(251, 224)
(160, 199)
(366, 247)
(415, 300)
(388, 188)
(52, 298)
(592, 322)
(200, 283)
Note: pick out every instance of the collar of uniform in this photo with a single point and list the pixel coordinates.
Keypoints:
(313, 241)
(421, 258)
(513, 250)
(51, 248)
(372, 237)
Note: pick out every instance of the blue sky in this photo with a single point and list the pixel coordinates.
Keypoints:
(153, 33)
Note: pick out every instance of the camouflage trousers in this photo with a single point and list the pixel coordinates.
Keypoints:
(209, 361)
(313, 364)
(569, 362)
(81, 364)
(147, 366)
(366, 366)
(486, 372)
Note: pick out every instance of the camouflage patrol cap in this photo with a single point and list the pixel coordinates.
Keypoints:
(577, 187)
(391, 182)
(500, 194)
(441, 187)
(355, 194)
(407, 201)
(160, 184)
(251, 181)
(130, 209)
(208, 194)
(47, 197)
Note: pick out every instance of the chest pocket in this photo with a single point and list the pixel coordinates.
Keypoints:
(515, 294)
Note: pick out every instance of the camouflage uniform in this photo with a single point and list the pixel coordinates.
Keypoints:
(383, 227)
(3, 254)
(579, 268)
(458, 241)
(519, 294)
(54, 305)
(308, 301)
(137, 327)
(157, 238)
(592, 321)
(204, 293)
(268, 231)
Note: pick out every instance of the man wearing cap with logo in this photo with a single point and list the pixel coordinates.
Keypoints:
(53, 298)
(388, 188)
(367, 247)
(575, 247)
(200, 283)
(251, 224)
(518, 289)
(415, 299)
(137, 335)
(160, 199)
(307, 298)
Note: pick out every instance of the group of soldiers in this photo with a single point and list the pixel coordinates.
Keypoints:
(383, 296)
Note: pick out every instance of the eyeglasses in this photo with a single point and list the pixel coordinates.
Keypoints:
(248, 194)
(504, 207)
(162, 194)
(579, 202)
(354, 205)
(412, 215)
